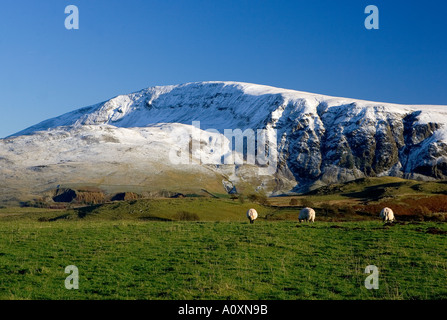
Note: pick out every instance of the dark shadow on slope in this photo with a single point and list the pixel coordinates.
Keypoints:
(438, 187)
(44, 219)
(64, 216)
(152, 218)
(64, 195)
(84, 211)
(373, 193)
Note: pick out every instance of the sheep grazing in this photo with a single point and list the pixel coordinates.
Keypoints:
(387, 214)
(252, 214)
(307, 214)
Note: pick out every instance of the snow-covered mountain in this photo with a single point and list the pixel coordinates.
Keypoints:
(126, 142)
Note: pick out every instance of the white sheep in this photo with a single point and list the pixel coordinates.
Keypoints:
(387, 214)
(252, 214)
(307, 214)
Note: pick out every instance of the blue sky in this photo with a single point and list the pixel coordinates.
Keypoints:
(124, 46)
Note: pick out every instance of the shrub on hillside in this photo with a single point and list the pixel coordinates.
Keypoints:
(436, 216)
(293, 202)
(259, 197)
(307, 203)
(421, 212)
(187, 216)
(349, 211)
(326, 209)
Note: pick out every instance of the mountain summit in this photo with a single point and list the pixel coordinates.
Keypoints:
(124, 143)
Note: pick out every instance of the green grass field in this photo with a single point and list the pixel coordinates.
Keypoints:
(204, 247)
(123, 253)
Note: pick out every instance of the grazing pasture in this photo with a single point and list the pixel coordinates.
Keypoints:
(142, 255)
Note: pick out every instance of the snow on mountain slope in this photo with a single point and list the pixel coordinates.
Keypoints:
(320, 139)
(114, 159)
(216, 104)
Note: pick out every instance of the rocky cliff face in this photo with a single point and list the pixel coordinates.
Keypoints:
(350, 141)
(320, 139)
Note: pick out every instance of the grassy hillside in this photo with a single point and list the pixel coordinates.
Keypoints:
(353, 201)
(364, 198)
(370, 189)
(129, 259)
(204, 247)
(204, 209)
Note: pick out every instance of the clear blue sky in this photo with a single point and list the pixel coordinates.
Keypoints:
(124, 46)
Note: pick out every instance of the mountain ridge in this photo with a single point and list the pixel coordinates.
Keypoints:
(155, 92)
(320, 139)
